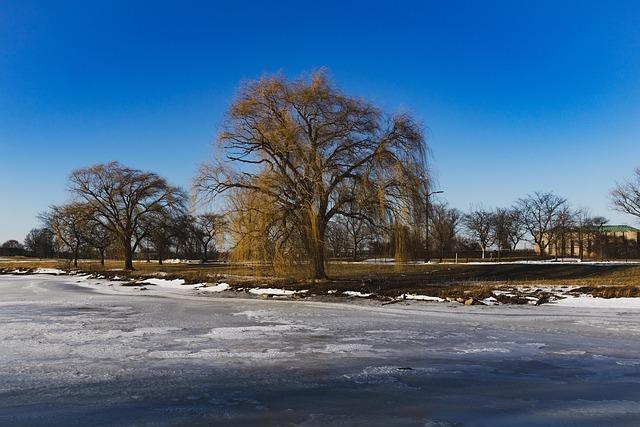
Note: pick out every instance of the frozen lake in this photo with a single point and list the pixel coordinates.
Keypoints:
(88, 354)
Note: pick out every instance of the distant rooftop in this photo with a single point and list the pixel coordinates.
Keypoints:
(619, 228)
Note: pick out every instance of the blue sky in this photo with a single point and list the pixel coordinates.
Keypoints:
(516, 96)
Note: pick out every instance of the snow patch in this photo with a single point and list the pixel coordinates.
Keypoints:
(164, 282)
(55, 271)
(588, 301)
(422, 297)
(220, 287)
(356, 294)
(270, 291)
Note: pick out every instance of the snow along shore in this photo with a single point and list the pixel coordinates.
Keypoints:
(562, 296)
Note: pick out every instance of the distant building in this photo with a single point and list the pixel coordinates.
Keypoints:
(602, 242)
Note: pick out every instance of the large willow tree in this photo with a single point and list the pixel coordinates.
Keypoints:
(300, 152)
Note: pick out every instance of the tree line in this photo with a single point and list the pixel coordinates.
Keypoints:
(304, 172)
(123, 210)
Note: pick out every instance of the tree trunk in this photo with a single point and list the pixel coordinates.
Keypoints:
(315, 245)
(204, 253)
(355, 250)
(75, 258)
(102, 257)
(319, 272)
(128, 254)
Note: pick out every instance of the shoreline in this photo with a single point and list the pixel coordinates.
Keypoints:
(160, 284)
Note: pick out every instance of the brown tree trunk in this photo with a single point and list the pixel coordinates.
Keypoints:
(102, 257)
(315, 246)
(542, 248)
(319, 272)
(128, 254)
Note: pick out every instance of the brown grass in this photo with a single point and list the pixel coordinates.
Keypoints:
(383, 279)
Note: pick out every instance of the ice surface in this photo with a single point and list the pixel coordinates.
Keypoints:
(92, 352)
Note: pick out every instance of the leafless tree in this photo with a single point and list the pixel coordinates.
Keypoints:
(626, 195)
(514, 227)
(588, 230)
(67, 223)
(207, 228)
(96, 235)
(307, 150)
(445, 222)
(337, 239)
(501, 229)
(539, 213)
(40, 242)
(563, 228)
(160, 231)
(123, 199)
(480, 225)
(12, 244)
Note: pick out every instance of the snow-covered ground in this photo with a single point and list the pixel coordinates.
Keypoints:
(80, 351)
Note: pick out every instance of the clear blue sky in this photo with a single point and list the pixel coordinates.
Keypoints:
(517, 96)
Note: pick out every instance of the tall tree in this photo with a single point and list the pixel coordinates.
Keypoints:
(67, 223)
(564, 227)
(12, 244)
(206, 228)
(500, 229)
(309, 150)
(626, 195)
(539, 213)
(96, 235)
(514, 227)
(445, 225)
(123, 199)
(160, 230)
(480, 224)
(40, 242)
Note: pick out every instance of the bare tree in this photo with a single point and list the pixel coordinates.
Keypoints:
(501, 229)
(337, 239)
(539, 213)
(39, 242)
(160, 230)
(207, 228)
(122, 199)
(626, 195)
(308, 150)
(563, 229)
(358, 230)
(67, 224)
(96, 235)
(480, 224)
(444, 223)
(514, 227)
(12, 244)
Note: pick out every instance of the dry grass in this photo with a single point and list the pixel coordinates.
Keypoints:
(384, 279)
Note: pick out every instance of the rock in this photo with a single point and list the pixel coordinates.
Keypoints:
(470, 301)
